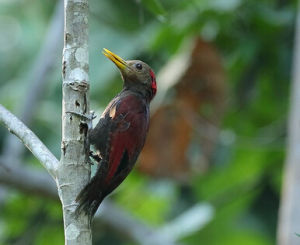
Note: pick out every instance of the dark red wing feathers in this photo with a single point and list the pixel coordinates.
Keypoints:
(130, 117)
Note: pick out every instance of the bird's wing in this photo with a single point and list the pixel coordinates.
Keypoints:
(130, 121)
(99, 136)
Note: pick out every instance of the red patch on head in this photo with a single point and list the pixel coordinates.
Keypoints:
(153, 84)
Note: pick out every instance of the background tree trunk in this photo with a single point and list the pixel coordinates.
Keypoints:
(289, 220)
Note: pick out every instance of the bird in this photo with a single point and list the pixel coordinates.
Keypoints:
(120, 133)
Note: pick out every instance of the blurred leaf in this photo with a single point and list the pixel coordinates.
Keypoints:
(156, 8)
(136, 196)
(50, 235)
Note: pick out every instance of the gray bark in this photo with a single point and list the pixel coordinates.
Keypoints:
(74, 171)
(289, 218)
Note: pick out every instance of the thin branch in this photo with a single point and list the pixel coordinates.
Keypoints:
(122, 221)
(44, 62)
(188, 222)
(30, 140)
(27, 179)
(171, 73)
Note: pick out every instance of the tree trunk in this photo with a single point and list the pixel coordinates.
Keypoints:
(289, 220)
(74, 171)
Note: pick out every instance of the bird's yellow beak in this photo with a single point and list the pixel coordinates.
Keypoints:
(120, 63)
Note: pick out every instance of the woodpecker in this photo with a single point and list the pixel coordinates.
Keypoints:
(120, 134)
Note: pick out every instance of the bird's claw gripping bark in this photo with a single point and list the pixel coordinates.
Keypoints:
(90, 117)
(96, 157)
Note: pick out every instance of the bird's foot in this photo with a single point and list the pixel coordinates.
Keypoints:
(89, 117)
(96, 157)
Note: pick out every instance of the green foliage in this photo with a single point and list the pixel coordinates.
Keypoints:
(155, 7)
(151, 204)
(243, 184)
(32, 220)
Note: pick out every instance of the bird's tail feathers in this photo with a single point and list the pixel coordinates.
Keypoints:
(89, 197)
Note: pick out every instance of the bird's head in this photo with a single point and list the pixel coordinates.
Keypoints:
(136, 74)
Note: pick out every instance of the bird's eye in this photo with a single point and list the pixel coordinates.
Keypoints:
(139, 66)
